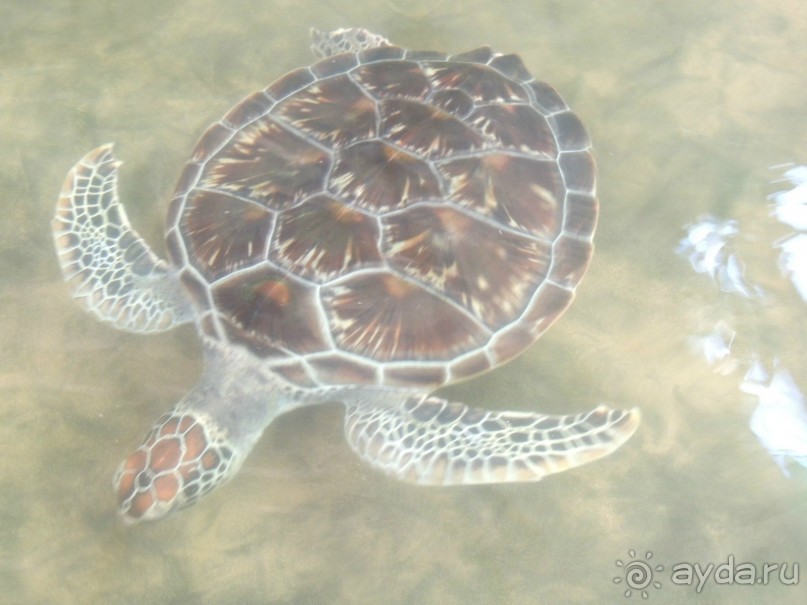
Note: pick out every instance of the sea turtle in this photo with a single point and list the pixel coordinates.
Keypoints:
(364, 230)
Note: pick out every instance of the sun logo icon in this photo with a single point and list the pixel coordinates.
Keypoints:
(638, 574)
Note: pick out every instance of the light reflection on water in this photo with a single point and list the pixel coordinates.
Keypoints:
(688, 105)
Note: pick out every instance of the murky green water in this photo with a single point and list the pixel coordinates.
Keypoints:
(689, 104)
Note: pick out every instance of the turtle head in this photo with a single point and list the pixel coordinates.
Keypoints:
(183, 458)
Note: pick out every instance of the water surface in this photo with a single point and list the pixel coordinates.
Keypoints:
(688, 103)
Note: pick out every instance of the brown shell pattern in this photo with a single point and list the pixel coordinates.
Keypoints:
(387, 218)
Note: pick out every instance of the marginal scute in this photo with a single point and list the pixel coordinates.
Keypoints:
(571, 261)
(174, 244)
(470, 366)
(216, 137)
(340, 369)
(253, 107)
(415, 375)
(483, 54)
(332, 66)
(547, 97)
(511, 66)
(187, 179)
(579, 171)
(546, 307)
(425, 55)
(571, 133)
(381, 53)
(290, 83)
(580, 215)
(511, 341)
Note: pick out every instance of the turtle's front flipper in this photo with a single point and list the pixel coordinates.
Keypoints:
(109, 267)
(433, 442)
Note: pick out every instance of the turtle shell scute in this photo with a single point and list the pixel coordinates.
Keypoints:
(388, 217)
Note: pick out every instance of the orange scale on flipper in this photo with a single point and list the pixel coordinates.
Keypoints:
(169, 427)
(165, 455)
(139, 506)
(195, 443)
(166, 487)
(130, 468)
(185, 423)
(210, 460)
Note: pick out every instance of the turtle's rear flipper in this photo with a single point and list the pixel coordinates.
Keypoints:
(433, 442)
(108, 266)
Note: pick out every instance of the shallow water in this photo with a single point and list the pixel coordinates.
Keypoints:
(688, 103)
